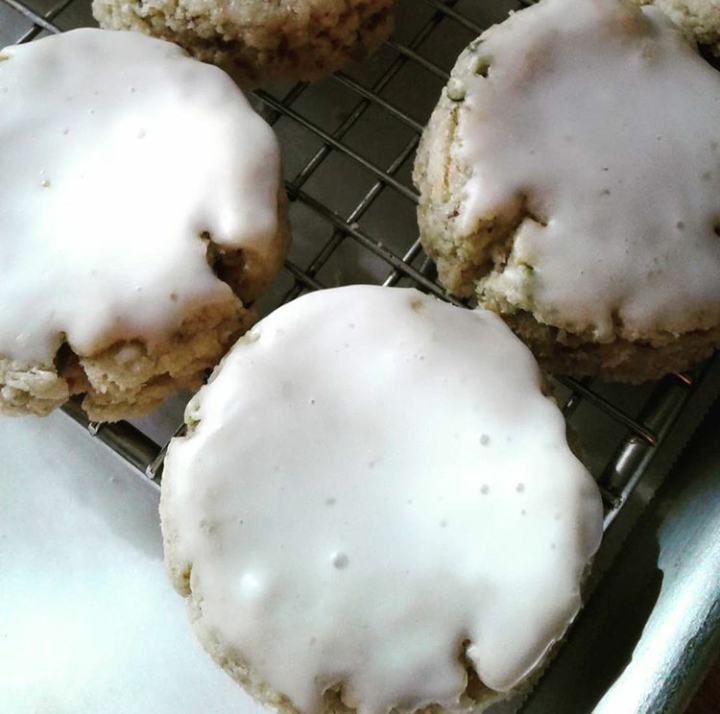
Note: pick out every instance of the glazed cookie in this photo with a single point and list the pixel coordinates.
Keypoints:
(700, 18)
(585, 211)
(255, 40)
(142, 212)
(391, 520)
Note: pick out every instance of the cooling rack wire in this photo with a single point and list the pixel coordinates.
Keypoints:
(349, 144)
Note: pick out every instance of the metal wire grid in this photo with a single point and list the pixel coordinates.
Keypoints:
(645, 420)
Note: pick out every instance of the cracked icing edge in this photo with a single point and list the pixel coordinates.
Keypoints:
(479, 255)
(249, 251)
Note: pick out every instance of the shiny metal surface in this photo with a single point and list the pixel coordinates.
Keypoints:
(681, 636)
(348, 144)
(651, 627)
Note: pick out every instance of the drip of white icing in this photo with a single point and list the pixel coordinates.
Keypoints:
(118, 152)
(375, 481)
(604, 120)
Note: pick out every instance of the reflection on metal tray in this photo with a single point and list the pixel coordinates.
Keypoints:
(348, 147)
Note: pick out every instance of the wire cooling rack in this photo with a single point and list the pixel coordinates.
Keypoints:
(349, 144)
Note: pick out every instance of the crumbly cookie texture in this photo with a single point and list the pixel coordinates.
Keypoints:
(583, 211)
(700, 18)
(255, 40)
(143, 213)
(415, 538)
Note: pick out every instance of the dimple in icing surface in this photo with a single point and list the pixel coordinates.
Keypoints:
(118, 153)
(374, 488)
(600, 120)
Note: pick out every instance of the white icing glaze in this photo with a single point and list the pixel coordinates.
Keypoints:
(606, 119)
(376, 478)
(118, 151)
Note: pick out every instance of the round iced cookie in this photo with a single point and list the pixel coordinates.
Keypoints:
(585, 211)
(142, 212)
(255, 40)
(699, 18)
(375, 508)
